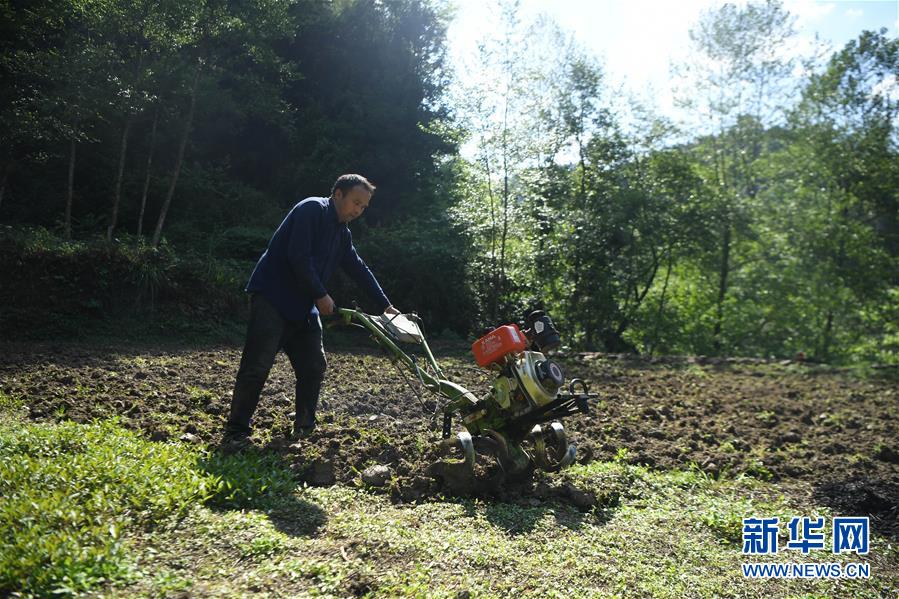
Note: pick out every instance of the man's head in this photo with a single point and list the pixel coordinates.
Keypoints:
(351, 195)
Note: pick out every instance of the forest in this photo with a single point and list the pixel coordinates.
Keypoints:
(764, 224)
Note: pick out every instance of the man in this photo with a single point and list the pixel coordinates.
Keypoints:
(287, 295)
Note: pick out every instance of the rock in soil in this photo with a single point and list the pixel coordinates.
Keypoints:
(887, 454)
(376, 476)
(322, 473)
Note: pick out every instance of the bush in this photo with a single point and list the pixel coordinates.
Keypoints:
(61, 289)
(421, 265)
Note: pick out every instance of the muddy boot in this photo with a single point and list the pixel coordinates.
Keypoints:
(301, 431)
(304, 418)
(233, 443)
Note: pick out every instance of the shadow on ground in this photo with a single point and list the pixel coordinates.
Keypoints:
(262, 480)
(864, 496)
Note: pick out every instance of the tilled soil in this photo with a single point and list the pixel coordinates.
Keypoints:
(795, 424)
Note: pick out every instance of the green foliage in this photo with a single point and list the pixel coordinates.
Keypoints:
(71, 490)
(74, 496)
(247, 480)
(10, 403)
(241, 242)
(725, 520)
(421, 262)
(771, 231)
(75, 288)
(275, 115)
(879, 324)
(763, 224)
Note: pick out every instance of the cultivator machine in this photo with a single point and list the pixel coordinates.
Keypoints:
(511, 429)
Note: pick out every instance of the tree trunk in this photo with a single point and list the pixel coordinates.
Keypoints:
(157, 234)
(143, 196)
(117, 194)
(655, 333)
(502, 246)
(6, 169)
(826, 337)
(579, 251)
(724, 270)
(70, 191)
(493, 271)
(123, 150)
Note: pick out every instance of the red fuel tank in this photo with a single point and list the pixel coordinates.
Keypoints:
(493, 346)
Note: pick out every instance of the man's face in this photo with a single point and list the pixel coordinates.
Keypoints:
(351, 203)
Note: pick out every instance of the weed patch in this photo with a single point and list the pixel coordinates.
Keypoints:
(247, 480)
(69, 490)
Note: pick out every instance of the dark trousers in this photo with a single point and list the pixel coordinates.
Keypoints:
(267, 333)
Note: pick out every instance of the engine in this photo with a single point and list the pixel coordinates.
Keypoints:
(527, 383)
(527, 378)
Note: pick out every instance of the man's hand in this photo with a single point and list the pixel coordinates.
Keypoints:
(391, 311)
(325, 305)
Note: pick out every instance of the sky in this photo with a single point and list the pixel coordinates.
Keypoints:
(638, 40)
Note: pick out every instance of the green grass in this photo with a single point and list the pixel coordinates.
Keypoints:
(96, 508)
(10, 404)
(72, 491)
(246, 480)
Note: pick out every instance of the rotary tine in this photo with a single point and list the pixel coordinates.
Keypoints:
(562, 444)
(467, 448)
(566, 451)
(539, 447)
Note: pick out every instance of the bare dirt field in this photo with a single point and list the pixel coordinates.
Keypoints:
(814, 432)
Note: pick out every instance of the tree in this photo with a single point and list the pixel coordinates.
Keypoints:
(511, 114)
(738, 82)
(137, 34)
(846, 132)
(218, 35)
(55, 67)
(372, 103)
(850, 113)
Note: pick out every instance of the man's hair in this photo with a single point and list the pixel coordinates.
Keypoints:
(346, 182)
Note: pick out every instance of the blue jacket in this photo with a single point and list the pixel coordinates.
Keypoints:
(302, 256)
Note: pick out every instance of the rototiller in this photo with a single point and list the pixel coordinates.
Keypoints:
(504, 434)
